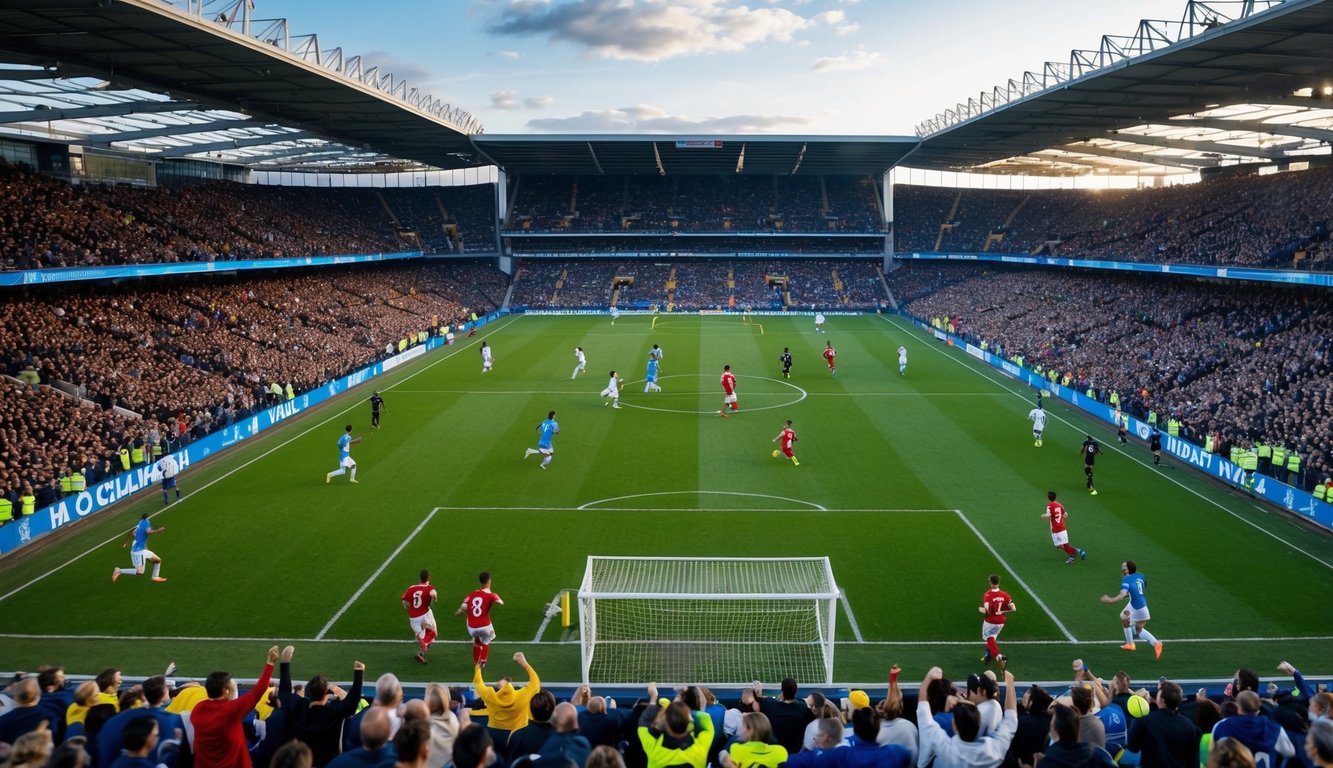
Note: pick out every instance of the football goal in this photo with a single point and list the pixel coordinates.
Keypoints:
(707, 621)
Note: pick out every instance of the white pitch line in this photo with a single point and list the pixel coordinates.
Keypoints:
(851, 617)
(985, 373)
(388, 641)
(591, 504)
(580, 392)
(229, 473)
(552, 608)
(357, 595)
(1017, 578)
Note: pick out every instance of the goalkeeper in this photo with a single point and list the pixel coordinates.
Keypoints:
(672, 735)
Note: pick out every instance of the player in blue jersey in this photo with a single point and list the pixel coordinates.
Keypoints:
(547, 430)
(345, 461)
(1135, 615)
(650, 380)
(140, 554)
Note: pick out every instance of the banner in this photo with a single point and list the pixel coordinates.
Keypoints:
(78, 274)
(698, 143)
(1280, 494)
(1286, 276)
(76, 507)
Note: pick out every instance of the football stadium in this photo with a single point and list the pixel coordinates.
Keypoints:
(735, 447)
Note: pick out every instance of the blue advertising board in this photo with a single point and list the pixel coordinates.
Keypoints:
(1287, 276)
(79, 274)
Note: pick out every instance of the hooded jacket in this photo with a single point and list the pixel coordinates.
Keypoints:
(506, 708)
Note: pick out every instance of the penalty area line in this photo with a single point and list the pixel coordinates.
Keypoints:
(1019, 579)
(357, 595)
(851, 617)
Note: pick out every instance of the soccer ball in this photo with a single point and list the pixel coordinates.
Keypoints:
(775, 454)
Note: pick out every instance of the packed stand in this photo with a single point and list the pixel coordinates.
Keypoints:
(195, 355)
(988, 721)
(686, 204)
(703, 245)
(1278, 220)
(1249, 365)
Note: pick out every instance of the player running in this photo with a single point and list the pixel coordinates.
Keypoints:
(786, 362)
(140, 554)
(1155, 445)
(1038, 418)
(547, 430)
(650, 377)
(169, 468)
(1135, 615)
(994, 605)
(902, 361)
(487, 358)
(819, 322)
(1121, 427)
(729, 391)
(345, 461)
(656, 354)
(1090, 449)
(477, 606)
(785, 439)
(376, 407)
(615, 315)
(582, 366)
(418, 599)
(829, 353)
(1055, 512)
(613, 390)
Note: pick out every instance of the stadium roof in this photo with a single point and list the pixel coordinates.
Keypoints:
(675, 155)
(235, 83)
(1230, 82)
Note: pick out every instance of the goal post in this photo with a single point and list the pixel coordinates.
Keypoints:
(707, 621)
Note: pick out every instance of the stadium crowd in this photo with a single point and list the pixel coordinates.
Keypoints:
(984, 723)
(147, 367)
(45, 222)
(580, 204)
(1278, 220)
(1249, 365)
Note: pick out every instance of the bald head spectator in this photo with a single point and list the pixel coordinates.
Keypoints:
(565, 742)
(603, 726)
(27, 713)
(375, 750)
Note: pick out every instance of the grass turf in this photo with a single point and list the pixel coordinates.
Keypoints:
(261, 550)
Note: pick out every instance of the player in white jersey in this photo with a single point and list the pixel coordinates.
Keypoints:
(615, 315)
(613, 391)
(582, 367)
(487, 360)
(168, 469)
(1038, 418)
(819, 322)
(902, 361)
(656, 354)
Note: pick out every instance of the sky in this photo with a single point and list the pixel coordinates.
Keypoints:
(830, 67)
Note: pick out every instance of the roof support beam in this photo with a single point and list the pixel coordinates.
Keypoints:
(30, 74)
(100, 110)
(1256, 126)
(1193, 164)
(595, 161)
(1190, 145)
(258, 161)
(184, 129)
(220, 146)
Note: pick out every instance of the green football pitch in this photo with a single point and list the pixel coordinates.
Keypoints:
(916, 487)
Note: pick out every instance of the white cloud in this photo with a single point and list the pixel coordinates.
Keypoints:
(847, 29)
(504, 100)
(510, 54)
(848, 62)
(830, 17)
(417, 75)
(650, 30)
(649, 119)
(537, 102)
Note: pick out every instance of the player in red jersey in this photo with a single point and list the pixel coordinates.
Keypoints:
(785, 439)
(477, 606)
(1055, 512)
(994, 605)
(829, 352)
(418, 600)
(729, 388)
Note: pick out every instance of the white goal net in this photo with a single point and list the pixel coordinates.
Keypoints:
(707, 621)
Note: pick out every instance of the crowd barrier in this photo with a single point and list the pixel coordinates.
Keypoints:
(79, 274)
(1254, 274)
(1266, 488)
(125, 485)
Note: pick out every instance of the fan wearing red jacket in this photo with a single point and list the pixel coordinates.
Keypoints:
(1055, 512)
(994, 605)
(829, 352)
(477, 606)
(219, 741)
(729, 390)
